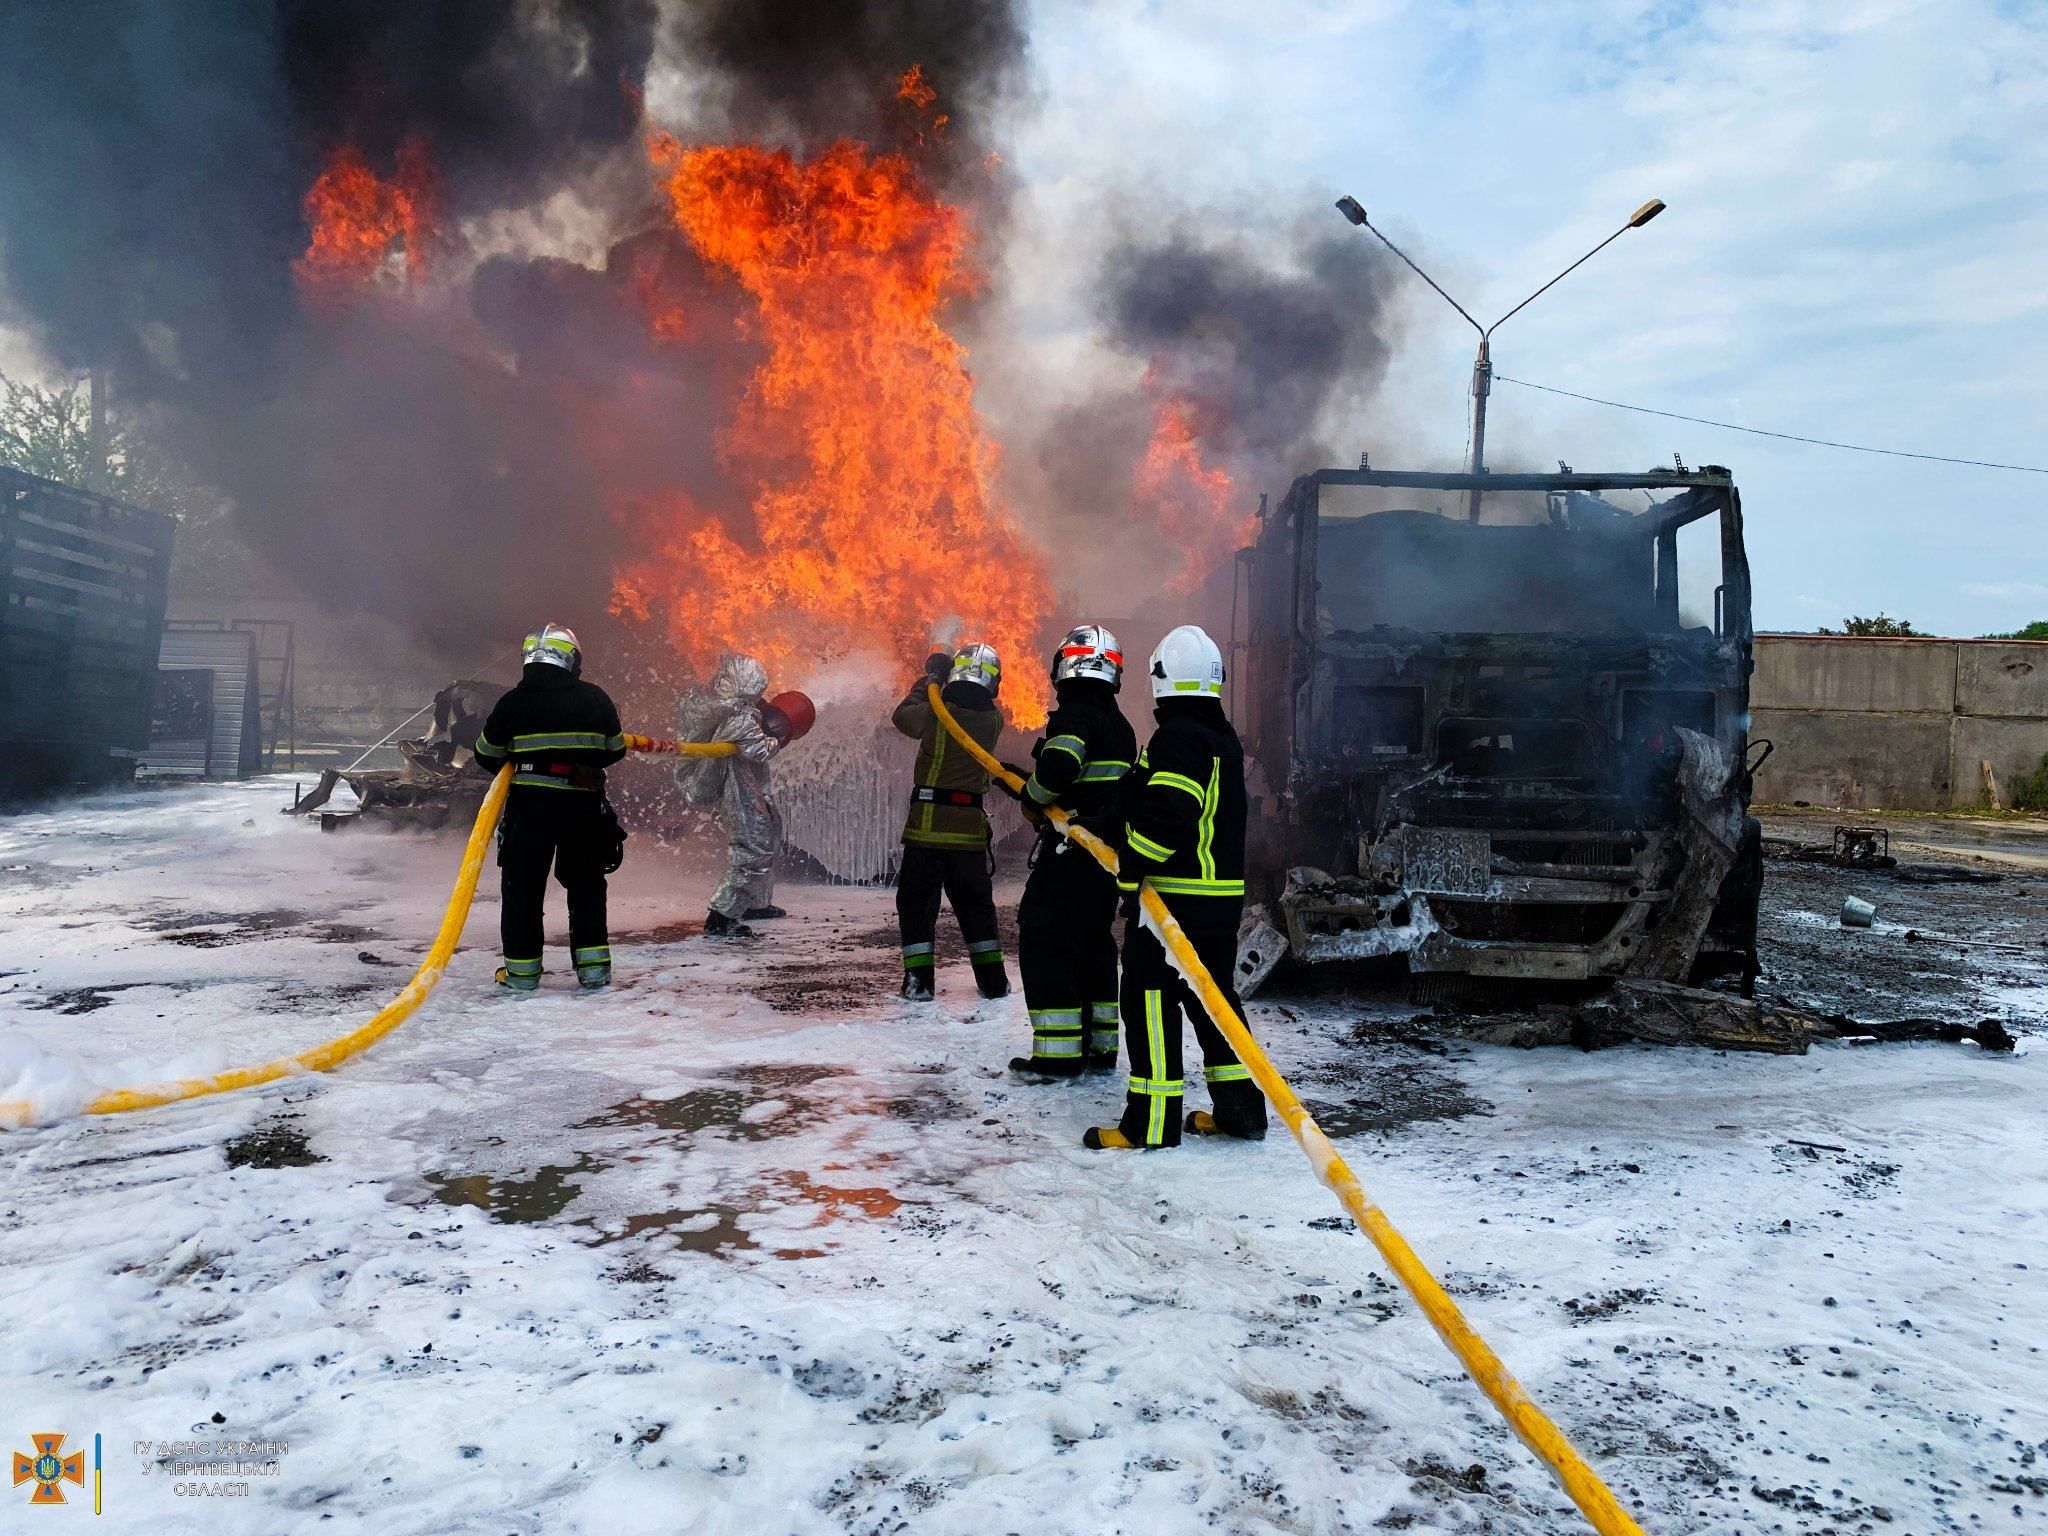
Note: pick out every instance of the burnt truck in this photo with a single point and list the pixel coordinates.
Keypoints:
(1503, 736)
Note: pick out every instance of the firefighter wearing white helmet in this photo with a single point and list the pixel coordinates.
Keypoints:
(559, 733)
(1182, 831)
(1066, 922)
(945, 831)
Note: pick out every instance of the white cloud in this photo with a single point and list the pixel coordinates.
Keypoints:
(2006, 591)
(1852, 248)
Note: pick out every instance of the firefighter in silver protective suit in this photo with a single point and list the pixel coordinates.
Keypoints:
(733, 709)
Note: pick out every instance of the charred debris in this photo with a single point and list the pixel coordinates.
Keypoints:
(437, 785)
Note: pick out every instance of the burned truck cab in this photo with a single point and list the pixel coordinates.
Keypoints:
(1505, 747)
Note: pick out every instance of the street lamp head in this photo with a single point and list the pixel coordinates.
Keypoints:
(1348, 206)
(1647, 212)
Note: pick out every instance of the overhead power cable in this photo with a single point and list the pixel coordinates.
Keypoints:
(1789, 437)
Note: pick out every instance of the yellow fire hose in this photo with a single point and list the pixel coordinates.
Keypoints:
(1599, 1505)
(15, 1113)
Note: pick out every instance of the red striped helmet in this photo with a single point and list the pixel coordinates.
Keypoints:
(1089, 651)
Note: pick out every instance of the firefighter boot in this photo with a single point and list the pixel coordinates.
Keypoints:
(917, 985)
(1108, 1138)
(763, 914)
(991, 976)
(718, 926)
(1036, 1069)
(519, 975)
(1240, 1108)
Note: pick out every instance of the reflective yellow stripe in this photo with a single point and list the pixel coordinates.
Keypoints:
(566, 741)
(484, 748)
(549, 781)
(1168, 886)
(924, 816)
(1039, 792)
(1237, 1072)
(1205, 841)
(1104, 772)
(926, 839)
(1158, 853)
(1156, 1087)
(1180, 781)
(1073, 746)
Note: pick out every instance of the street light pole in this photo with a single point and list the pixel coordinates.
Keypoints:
(1482, 365)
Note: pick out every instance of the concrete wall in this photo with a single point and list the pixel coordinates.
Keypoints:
(1896, 724)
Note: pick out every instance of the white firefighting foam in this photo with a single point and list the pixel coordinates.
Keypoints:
(746, 1244)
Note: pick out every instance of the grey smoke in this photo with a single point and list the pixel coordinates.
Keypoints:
(1267, 337)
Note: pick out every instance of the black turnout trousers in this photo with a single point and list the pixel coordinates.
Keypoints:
(1154, 998)
(962, 877)
(567, 831)
(1066, 949)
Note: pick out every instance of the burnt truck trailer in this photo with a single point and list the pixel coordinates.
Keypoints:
(1512, 747)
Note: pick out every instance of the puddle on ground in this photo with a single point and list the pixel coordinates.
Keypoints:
(833, 1201)
(85, 999)
(1396, 1094)
(666, 933)
(700, 1109)
(712, 1229)
(732, 1112)
(824, 986)
(542, 1197)
(276, 1143)
(727, 1109)
(92, 999)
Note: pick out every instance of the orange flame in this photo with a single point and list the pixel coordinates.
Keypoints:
(1190, 501)
(868, 468)
(363, 225)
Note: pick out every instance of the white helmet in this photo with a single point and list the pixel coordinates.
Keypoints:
(555, 645)
(1187, 665)
(977, 663)
(1089, 651)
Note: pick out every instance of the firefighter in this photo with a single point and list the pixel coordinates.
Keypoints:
(733, 709)
(1182, 832)
(945, 835)
(560, 734)
(1066, 923)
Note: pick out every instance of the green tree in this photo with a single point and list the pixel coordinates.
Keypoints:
(48, 432)
(1883, 626)
(2038, 630)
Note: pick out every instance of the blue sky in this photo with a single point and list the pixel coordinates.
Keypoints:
(1853, 248)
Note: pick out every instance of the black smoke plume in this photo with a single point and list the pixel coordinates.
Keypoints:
(810, 71)
(1272, 341)
(449, 458)
(153, 160)
(1266, 340)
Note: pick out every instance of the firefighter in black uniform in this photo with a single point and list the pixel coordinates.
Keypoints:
(1066, 923)
(946, 833)
(560, 734)
(1183, 834)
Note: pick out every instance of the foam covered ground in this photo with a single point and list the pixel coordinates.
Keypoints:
(746, 1244)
